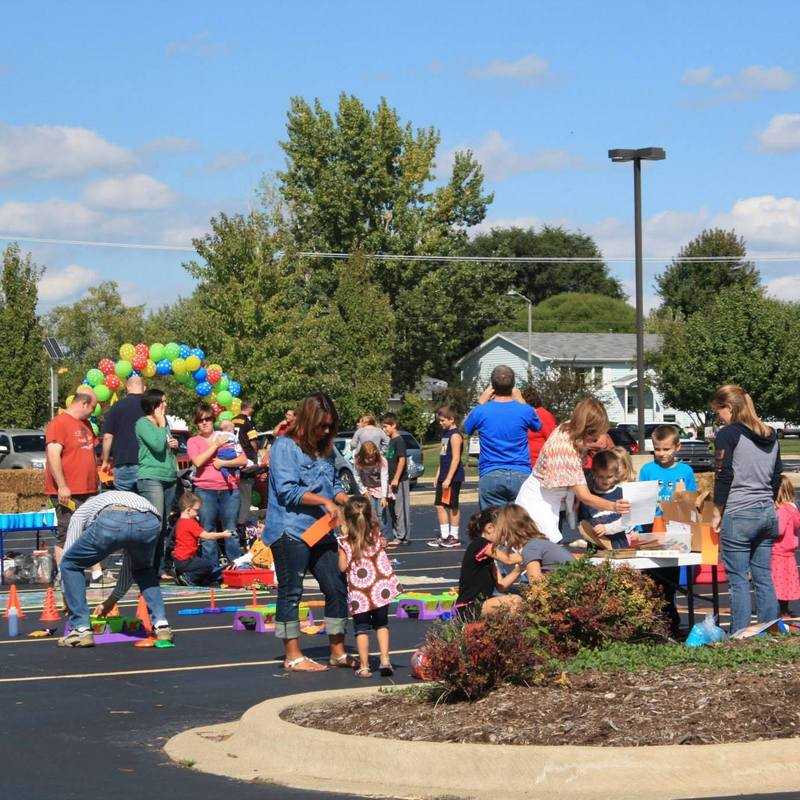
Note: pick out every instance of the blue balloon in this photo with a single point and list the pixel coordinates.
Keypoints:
(203, 388)
(200, 374)
(164, 367)
(196, 351)
(235, 388)
(185, 351)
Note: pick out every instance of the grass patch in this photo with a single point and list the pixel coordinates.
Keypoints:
(430, 458)
(621, 657)
(187, 762)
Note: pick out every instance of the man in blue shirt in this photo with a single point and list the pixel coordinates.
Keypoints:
(502, 419)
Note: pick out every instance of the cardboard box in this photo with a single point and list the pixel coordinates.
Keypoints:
(688, 516)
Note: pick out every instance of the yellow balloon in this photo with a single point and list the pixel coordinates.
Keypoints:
(212, 398)
(236, 405)
(178, 366)
(70, 399)
(192, 363)
(127, 352)
(150, 368)
(214, 368)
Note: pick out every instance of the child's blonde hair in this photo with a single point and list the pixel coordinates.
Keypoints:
(227, 425)
(785, 491)
(368, 455)
(626, 472)
(359, 526)
(515, 527)
(368, 419)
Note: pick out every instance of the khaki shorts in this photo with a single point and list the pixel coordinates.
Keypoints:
(64, 515)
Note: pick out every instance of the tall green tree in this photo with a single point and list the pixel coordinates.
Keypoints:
(561, 387)
(24, 387)
(540, 280)
(686, 287)
(741, 337)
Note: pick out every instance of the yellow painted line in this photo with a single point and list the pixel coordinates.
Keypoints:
(154, 671)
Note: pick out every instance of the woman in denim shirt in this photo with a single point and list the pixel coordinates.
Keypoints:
(303, 486)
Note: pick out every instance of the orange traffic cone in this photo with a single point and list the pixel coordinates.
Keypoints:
(143, 614)
(13, 601)
(212, 600)
(49, 609)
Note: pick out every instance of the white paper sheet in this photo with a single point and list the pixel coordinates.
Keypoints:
(643, 497)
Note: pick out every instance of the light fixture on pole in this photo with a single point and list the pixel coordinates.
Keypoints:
(55, 353)
(637, 156)
(515, 293)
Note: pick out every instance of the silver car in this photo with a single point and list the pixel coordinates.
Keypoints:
(22, 448)
(415, 466)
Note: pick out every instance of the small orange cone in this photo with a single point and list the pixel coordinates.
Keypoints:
(212, 600)
(255, 598)
(143, 614)
(659, 525)
(114, 611)
(49, 609)
(13, 601)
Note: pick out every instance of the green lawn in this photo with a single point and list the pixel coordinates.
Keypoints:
(430, 458)
(790, 447)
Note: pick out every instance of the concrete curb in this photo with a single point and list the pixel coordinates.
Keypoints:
(262, 746)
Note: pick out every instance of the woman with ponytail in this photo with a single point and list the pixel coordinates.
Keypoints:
(748, 476)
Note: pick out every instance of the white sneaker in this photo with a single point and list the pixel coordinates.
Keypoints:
(435, 542)
(450, 542)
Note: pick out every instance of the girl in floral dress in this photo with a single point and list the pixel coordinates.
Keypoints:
(371, 582)
(784, 564)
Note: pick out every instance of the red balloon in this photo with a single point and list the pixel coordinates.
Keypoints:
(139, 362)
(106, 366)
(420, 667)
(113, 382)
(212, 376)
(142, 349)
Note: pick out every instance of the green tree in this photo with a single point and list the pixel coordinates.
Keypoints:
(689, 286)
(540, 280)
(561, 388)
(741, 337)
(415, 415)
(24, 396)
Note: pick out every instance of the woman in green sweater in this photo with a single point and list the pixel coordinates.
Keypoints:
(158, 469)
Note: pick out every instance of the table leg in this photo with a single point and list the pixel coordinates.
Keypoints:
(715, 589)
(690, 593)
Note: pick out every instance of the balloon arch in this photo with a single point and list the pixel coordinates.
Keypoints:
(186, 364)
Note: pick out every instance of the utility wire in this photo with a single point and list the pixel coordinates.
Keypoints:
(441, 259)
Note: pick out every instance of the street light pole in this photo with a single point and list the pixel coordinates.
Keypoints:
(515, 293)
(637, 156)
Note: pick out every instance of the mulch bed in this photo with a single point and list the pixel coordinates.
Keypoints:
(683, 705)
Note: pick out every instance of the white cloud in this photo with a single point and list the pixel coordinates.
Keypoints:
(768, 223)
(46, 152)
(500, 160)
(48, 218)
(182, 236)
(57, 285)
(200, 44)
(230, 160)
(782, 134)
(786, 287)
(741, 85)
(129, 193)
(170, 145)
(528, 69)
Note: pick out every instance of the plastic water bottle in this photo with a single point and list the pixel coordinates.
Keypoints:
(13, 622)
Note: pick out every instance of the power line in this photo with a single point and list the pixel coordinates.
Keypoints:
(400, 257)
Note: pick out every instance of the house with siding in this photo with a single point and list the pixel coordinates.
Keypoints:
(608, 358)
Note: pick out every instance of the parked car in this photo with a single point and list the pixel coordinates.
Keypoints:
(622, 437)
(694, 452)
(415, 466)
(22, 448)
(784, 428)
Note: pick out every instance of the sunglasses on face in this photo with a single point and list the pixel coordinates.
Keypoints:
(205, 419)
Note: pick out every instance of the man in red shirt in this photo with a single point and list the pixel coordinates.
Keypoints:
(536, 439)
(70, 475)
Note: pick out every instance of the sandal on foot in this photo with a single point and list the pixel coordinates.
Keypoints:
(363, 672)
(386, 670)
(345, 661)
(296, 665)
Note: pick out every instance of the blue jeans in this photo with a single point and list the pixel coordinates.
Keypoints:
(500, 487)
(161, 494)
(135, 532)
(293, 558)
(747, 537)
(222, 505)
(381, 515)
(125, 477)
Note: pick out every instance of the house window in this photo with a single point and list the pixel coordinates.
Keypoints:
(669, 418)
(648, 400)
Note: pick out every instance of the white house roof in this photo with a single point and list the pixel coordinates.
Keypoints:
(576, 346)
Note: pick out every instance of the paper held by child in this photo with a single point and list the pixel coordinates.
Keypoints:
(321, 528)
(643, 497)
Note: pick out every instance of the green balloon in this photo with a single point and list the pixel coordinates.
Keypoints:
(225, 415)
(172, 351)
(94, 376)
(96, 410)
(156, 352)
(225, 399)
(222, 384)
(102, 392)
(123, 368)
(95, 429)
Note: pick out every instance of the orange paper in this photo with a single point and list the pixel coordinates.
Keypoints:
(446, 496)
(320, 529)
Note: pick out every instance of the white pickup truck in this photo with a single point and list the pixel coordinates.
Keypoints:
(784, 428)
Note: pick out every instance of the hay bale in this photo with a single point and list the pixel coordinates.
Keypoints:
(8, 503)
(705, 481)
(26, 482)
(35, 502)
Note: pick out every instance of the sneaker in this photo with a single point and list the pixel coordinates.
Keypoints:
(77, 638)
(450, 542)
(163, 633)
(106, 578)
(166, 577)
(435, 542)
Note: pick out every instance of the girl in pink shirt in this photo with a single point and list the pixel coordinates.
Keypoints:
(784, 550)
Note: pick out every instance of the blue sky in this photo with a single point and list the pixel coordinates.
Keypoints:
(136, 123)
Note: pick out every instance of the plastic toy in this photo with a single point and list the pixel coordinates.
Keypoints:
(425, 605)
(261, 619)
